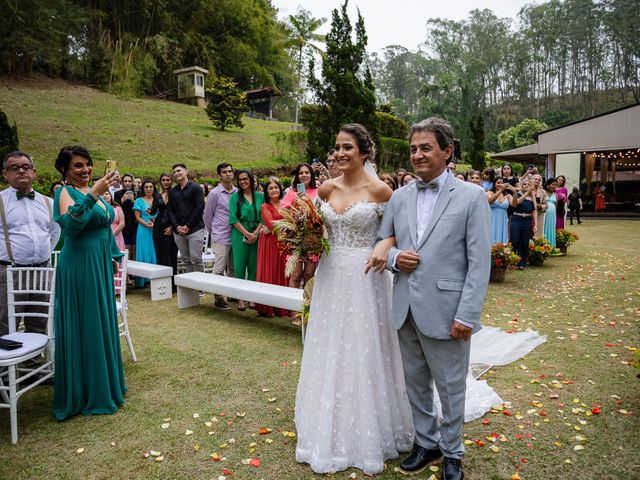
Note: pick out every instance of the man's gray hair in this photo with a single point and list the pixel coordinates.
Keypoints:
(439, 127)
(15, 154)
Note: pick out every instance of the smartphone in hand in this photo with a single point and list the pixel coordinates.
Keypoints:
(301, 188)
(109, 166)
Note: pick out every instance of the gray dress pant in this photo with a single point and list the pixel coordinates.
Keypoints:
(190, 247)
(445, 363)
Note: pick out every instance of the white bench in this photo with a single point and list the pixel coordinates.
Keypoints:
(159, 275)
(190, 284)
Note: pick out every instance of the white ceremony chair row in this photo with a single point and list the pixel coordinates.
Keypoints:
(120, 285)
(13, 371)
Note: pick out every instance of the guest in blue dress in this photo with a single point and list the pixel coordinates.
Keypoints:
(488, 178)
(500, 197)
(145, 249)
(549, 231)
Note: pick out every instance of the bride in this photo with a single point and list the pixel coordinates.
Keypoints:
(352, 408)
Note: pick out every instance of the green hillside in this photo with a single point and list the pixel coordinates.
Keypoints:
(145, 136)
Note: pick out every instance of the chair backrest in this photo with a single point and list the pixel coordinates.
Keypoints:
(206, 241)
(31, 280)
(120, 279)
(54, 258)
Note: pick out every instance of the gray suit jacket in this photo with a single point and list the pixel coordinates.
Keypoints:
(451, 279)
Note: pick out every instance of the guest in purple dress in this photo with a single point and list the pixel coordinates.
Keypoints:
(562, 195)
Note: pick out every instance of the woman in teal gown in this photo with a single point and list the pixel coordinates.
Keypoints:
(145, 248)
(549, 232)
(89, 375)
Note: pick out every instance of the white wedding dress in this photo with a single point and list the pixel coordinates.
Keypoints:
(351, 404)
(352, 408)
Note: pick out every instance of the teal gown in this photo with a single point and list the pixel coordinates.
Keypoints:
(89, 377)
(145, 248)
(549, 231)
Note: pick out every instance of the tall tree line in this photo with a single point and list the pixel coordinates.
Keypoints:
(132, 46)
(557, 61)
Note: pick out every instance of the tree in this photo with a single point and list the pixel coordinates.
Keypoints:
(8, 135)
(303, 36)
(226, 103)
(476, 155)
(520, 135)
(346, 92)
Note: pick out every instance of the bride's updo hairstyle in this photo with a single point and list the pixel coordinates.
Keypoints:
(365, 143)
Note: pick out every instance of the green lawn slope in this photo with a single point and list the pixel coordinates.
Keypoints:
(144, 136)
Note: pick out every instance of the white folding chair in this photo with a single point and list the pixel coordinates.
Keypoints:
(120, 284)
(208, 257)
(13, 370)
(54, 258)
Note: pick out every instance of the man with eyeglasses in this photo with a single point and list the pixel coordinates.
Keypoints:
(27, 230)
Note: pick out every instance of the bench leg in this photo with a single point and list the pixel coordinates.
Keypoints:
(161, 288)
(188, 297)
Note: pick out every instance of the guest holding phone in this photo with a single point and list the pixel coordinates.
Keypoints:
(126, 197)
(244, 216)
(89, 376)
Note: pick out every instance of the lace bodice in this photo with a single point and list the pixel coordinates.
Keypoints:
(356, 227)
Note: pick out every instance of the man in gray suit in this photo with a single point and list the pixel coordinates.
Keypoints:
(441, 263)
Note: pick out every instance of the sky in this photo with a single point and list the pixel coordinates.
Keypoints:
(399, 22)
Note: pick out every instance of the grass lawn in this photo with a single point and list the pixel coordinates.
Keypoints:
(144, 136)
(239, 373)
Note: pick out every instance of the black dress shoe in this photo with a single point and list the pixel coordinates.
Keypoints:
(419, 459)
(452, 469)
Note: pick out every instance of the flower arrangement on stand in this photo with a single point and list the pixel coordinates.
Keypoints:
(539, 251)
(503, 258)
(565, 238)
(301, 232)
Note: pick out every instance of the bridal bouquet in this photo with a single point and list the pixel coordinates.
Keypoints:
(301, 232)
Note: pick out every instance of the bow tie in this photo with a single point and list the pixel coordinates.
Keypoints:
(31, 195)
(432, 185)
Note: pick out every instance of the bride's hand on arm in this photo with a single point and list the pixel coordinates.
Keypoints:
(378, 258)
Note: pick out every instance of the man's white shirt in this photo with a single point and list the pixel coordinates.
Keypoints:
(427, 199)
(32, 231)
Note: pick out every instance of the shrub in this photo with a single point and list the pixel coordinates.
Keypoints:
(8, 135)
(226, 103)
(392, 126)
(392, 153)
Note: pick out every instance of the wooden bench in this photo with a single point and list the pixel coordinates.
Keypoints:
(159, 275)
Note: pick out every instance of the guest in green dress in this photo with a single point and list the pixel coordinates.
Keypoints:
(89, 376)
(244, 215)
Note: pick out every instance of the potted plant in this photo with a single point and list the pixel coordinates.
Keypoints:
(502, 258)
(564, 238)
(539, 251)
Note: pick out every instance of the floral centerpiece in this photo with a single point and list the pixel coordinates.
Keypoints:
(564, 238)
(301, 232)
(502, 258)
(539, 251)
